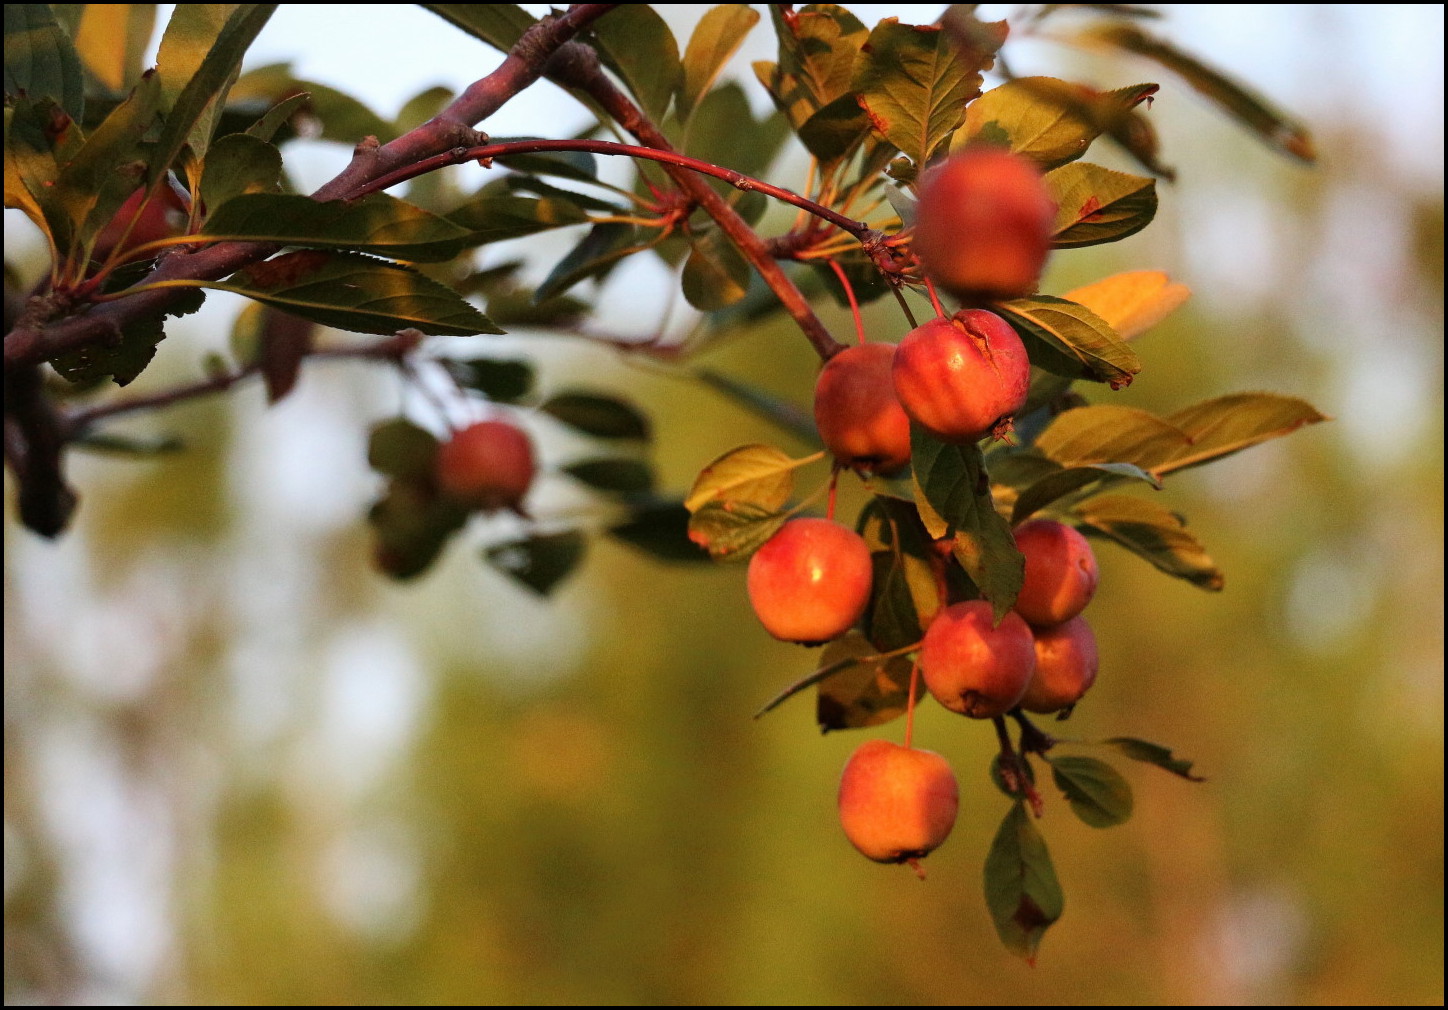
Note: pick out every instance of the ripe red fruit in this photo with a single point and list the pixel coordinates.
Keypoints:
(973, 666)
(897, 803)
(983, 225)
(487, 466)
(859, 417)
(1066, 664)
(810, 581)
(163, 216)
(1061, 572)
(962, 378)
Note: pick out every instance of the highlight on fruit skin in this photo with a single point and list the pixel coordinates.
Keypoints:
(974, 666)
(810, 582)
(1061, 572)
(983, 225)
(1066, 665)
(897, 804)
(859, 417)
(486, 466)
(962, 378)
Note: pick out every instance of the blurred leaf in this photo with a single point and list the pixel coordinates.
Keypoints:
(40, 61)
(376, 223)
(339, 116)
(285, 340)
(953, 495)
(412, 524)
(421, 107)
(914, 85)
(998, 779)
(598, 252)
(867, 691)
(101, 26)
(1096, 791)
(1154, 754)
(733, 530)
(238, 165)
(636, 43)
(716, 37)
(109, 167)
(1096, 205)
(1070, 340)
(499, 25)
(777, 410)
(494, 217)
(835, 130)
(1069, 480)
(1050, 121)
(902, 598)
(715, 275)
(1021, 889)
(1250, 109)
(760, 475)
(128, 445)
(660, 528)
(31, 169)
(720, 119)
(355, 292)
(1133, 302)
(399, 448)
(516, 307)
(498, 380)
(1152, 532)
(818, 46)
(613, 474)
(539, 562)
(597, 415)
(515, 183)
(128, 357)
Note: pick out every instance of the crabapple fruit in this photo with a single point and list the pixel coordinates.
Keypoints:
(810, 581)
(1066, 665)
(1061, 572)
(974, 666)
(983, 225)
(897, 803)
(859, 417)
(139, 221)
(488, 466)
(962, 378)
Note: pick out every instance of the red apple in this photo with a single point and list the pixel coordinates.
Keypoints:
(897, 803)
(859, 417)
(1066, 666)
(1061, 572)
(810, 581)
(983, 225)
(162, 216)
(974, 666)
(962, 378)
(487, 466)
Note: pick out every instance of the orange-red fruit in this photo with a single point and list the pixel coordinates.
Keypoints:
(963, 378)
(974, 666)
(163, 216)
(897, 803)
(1066, 665)
(983, 225)
(810, 581)
(859, 417)
(487, 466)
(1061, 572)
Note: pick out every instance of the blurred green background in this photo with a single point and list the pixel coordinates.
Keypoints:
(241, 767)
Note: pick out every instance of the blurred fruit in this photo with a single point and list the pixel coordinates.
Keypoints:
(486, 466)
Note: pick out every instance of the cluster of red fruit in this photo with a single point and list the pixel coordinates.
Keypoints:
(982, 233)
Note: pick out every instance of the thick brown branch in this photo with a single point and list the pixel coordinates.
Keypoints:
(34, 439)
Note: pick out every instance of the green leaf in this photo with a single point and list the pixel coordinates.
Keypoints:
(660, 528)
(597, 415)
(835, 131)
(238, 165)
(777, 410)
(716, 37)
(355, 292)
(412, 524)
(1050, 121)
(399, 448)
(1070, 340)
(500, 381)
(128, 445)
(277, 116)
(733, 530)
(110, 165)
(200, 55)
(626, 476)
(1153, 754)
(913, 84)
(818, 47)
(953, 495)
(867, 692)
(1021, 889)
(1248, 108)
(1096, 791)
(1152, 532)
(596, 255)
(1069, 480)
(31, 170)
(514, 183)
(539, 562)
(760, 475)
(715, 275)
(720, 119)
(1228, 424)
(127, 358)
(376, 223)
(636, 44)
(824, 671)
(339, 116)
(493, 218)
(902, 596)
(421, 107)
(40, 61)
(499, 25)
(101, 26)
(516, 307)
(1096, 205)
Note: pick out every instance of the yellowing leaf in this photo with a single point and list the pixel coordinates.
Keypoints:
(1132, 302)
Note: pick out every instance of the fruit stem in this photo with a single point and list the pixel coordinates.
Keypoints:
(834, 487)
(850, 294)
(1033, 739)
(934, 298)
(910, 703)
(1014, 771)
(905, 307)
